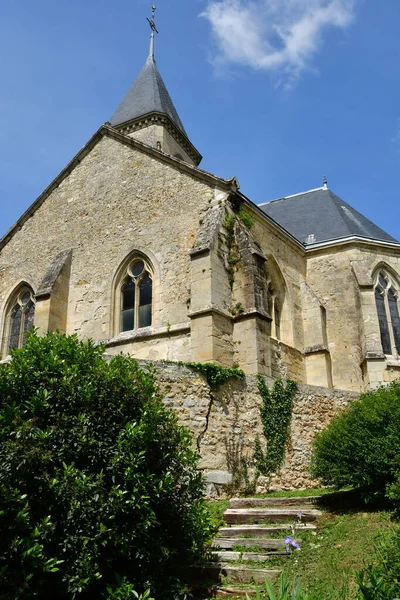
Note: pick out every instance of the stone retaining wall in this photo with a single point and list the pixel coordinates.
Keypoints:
(226, 423)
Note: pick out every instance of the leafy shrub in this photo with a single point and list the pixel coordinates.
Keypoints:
(99, 486)
(393, 493)
(381, 580)
(361, 446)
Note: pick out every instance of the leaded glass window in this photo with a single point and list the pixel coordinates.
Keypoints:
(21, 318)
(137, 297)
(387, 306)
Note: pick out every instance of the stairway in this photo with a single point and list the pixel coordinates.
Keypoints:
(251, 547)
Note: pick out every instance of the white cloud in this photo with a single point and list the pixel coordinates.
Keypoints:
(274, 34)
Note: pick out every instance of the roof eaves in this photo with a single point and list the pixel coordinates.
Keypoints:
(351, 239)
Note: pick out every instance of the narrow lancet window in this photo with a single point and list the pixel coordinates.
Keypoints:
(387, 306)
(275, 297)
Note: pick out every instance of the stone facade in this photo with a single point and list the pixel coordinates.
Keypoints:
(226, 423)
(230, 285)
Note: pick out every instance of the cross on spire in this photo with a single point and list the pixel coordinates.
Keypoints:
(153, 30)
(151, 21)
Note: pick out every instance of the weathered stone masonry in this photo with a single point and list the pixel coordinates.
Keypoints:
(228, 422)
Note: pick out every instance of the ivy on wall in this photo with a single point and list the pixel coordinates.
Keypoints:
(276, 416)
(214, 374)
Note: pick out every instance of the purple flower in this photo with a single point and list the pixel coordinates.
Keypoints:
(290, 542)
(300, 515)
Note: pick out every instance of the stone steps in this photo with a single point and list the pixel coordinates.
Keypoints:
(261, 530)
(250, 522)
(275, 515)
(265, 502)
(235, 574)
(267, 543)
(246, 556)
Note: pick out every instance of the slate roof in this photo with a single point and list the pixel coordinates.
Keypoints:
(146, 95)
(323, 214)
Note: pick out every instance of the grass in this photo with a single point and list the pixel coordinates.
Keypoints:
(327, 562)
(216, 509)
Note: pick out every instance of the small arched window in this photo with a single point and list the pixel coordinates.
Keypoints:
(137, 296)
(387, 305)
(20, 318)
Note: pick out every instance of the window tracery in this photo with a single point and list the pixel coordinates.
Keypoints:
(136, 296)
(387, 306)
(20, 318)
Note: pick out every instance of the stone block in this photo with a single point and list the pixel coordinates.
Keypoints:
(218, 477)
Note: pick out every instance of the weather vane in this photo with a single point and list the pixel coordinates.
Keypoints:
(151, 23)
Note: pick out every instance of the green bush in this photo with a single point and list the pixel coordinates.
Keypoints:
(381, 580)
(98, 483)
(393, 493)
(361, 446)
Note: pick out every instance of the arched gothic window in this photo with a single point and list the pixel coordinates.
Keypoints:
(20, 317)
(387, 305)
(137, 296)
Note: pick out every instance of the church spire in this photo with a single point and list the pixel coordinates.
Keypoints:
(148, 113)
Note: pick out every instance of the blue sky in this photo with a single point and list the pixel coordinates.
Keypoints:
(278, 93)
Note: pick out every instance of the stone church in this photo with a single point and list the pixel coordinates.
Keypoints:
(135, 246)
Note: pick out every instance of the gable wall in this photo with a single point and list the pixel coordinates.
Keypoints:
(118, 198)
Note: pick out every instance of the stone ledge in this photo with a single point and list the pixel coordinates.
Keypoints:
(146, 333)
(252, 313)
(375, 356)
(317, 349)
(200, 250)
(208, 310)
(393, 364)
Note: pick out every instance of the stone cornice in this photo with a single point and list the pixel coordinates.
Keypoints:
(352, 241)
(156, 118)
(317, 349)
(252, 313)
(209, 309)
(138, 335)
